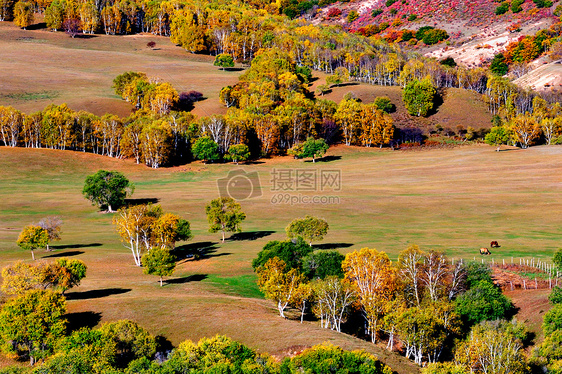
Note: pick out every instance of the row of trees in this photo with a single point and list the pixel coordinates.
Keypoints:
(423, 300)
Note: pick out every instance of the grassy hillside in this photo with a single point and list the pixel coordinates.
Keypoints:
(455, 200)
(39, 67)
(80, 72)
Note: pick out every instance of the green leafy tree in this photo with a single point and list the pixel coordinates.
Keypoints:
(160, 262)
(383, 103)
(224, 60)
(224, 214)
(419, 97)
(238, 153)
(498, 65)
(218, 354)
(33, 237)
(483, 301)
(205, 149)
(476, 272)
(327, 358)
(291, 252)
(54, 15)
(309, 228)
(314, 148)
(107, 189)
(552, 320)
(497, 136)
(31, 324)
(322, 264)
(444, 368)
(121, 82)
(557, 259)
(131, 341)
(555, 296)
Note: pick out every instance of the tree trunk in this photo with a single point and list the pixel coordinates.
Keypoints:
(223, 236)
(32, 255)
(160, 281)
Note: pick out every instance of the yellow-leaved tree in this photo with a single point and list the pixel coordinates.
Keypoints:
(374, 277)
(278, 284)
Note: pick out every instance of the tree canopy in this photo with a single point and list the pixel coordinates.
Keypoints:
(224, 214)
(107, 189)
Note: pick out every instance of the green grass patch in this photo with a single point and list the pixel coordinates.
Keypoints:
(242, 285)
(30, 96)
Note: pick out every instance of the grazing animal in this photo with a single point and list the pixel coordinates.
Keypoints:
(494, 244)
(485, 251)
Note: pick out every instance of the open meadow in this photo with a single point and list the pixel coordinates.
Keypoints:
(455, 200)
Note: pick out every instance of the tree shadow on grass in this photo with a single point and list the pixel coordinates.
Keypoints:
(197, 251)
(96, 294)
(65, 254)
(251, 235)
(82, 319)
(146, 200)
(326, 159)
(75, 246)
(331, 245)
(188, 279)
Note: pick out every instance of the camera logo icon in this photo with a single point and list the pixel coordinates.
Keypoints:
(240, 185)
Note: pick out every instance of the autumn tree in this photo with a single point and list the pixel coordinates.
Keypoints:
(159, 261)
(107, 189)
(279, 284)
(374, 279)
(492, 348)
(376, 126)
(341, 74)
(424, 330)
(224, 214)
(410, 265)
(131, 224)
(309, 228)
(33, 237)
(52, 225)
(32, 323)
(348, 117)
(170, 228)
(23, 14)
(419, 97)
(333, 297)
(21, 277)
(524, 129)
(70, 273)
(238, 153)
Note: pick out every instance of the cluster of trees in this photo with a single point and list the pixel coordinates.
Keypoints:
(61, 275)
(125, 347)
(423, 300)
(542, 123)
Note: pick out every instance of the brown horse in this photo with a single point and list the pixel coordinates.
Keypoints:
(494, 244)
(485, 251)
